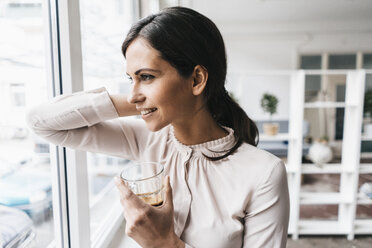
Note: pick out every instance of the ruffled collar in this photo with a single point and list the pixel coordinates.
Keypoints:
(213, 148)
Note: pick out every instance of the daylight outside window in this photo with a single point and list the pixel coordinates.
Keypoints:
(26, 218)
(103, 29)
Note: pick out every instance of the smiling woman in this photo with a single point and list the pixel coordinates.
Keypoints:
(220, 189)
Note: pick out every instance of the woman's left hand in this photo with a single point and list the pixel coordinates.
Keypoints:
(149, 226)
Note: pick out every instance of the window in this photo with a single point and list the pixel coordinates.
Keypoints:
(312, 82)
(332, 87)
(311, 62)
(342, 61)
(25, 171)
(367, 61)
(104, 25)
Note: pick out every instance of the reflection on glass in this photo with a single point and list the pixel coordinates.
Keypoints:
(26, 218)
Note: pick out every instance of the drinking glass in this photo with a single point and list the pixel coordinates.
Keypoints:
(145, 179)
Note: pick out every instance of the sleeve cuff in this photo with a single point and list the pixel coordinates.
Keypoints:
(103, 105)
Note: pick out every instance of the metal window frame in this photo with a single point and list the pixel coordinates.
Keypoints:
(64, 72)
(69, 167)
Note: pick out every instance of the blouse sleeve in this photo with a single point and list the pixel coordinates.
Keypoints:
(88, 121)
(266, 219)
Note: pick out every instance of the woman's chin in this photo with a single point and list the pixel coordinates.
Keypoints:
(154, 127)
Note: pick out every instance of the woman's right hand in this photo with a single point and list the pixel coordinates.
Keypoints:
(149, 226)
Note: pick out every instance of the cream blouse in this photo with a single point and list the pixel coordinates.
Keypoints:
(239, 201)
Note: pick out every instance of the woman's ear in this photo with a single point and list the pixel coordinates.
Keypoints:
(200, 78)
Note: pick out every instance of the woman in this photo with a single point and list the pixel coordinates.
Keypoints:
(221, 191)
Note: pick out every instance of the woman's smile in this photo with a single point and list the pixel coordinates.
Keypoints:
(146, 113)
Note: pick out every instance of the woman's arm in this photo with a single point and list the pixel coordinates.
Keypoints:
(266, 220)
(88, 120)
(122, 106)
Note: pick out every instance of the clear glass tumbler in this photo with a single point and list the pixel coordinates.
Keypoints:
(145, 179)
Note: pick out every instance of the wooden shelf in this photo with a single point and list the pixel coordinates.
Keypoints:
(366, 138)
(325, 169)
(327, 72)
(363, 199)
(363, 226)
(291, 228)
(290, 169)
(365, 169)
(324, 227)
(310, 198)
(325, 105)
(278, 137)
(366, 155)
(348, 168)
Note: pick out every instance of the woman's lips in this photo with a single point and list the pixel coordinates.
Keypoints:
(145, 112)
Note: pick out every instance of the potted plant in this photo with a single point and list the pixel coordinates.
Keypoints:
(269, 105)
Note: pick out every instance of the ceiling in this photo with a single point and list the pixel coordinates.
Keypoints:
(269, 11)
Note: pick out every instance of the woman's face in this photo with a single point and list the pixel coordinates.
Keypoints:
(158, 90)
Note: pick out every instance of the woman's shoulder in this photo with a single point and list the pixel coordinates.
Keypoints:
(254, 153)
(256, 168)
(250, 158)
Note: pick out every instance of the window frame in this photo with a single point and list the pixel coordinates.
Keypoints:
(69, 167)
(70, 183)
(64, 72)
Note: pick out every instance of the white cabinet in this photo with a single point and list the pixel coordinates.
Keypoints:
(347, 198)
(348, 168)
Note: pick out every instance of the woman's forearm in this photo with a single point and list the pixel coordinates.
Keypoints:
(123, 107)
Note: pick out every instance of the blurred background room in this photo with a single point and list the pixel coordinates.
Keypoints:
(301, 69)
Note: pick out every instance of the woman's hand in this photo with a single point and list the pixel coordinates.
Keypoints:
(149, 226)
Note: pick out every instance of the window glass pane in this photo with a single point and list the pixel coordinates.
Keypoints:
(342, 61)
(25, 175)
(104, 25)
(367, 61)
(366, 146)
(368, 82)
(311, 62)
(312, 87)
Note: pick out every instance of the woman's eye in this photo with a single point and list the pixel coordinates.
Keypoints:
(146, 77)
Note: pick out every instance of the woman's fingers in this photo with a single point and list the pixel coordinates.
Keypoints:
(168, 201)
(128, 198)
(145, 223)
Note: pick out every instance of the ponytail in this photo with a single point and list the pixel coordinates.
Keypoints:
(228, 113)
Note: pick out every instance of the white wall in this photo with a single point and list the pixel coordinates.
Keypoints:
(267, 53)
(270, 35)
(279, 50)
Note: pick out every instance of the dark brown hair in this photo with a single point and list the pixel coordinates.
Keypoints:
(186, 38)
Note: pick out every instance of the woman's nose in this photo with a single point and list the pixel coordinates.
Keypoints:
(135, 95)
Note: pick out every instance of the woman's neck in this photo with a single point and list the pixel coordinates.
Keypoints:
(201, 128)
